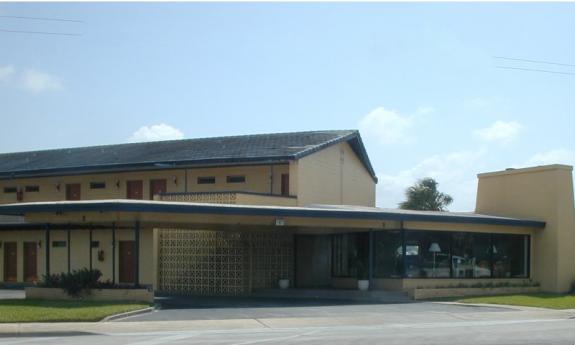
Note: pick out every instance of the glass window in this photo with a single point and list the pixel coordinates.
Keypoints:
(58, 244)
(471, 255)
(10, 190)
(350, 255)
(427, 254)
(32, 189)
(388, 254)
(510, 256)
(97, 185)
(236, 179)
(206, 180)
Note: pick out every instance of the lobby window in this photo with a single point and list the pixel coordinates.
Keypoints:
(350, 255)
(10, 190)
(236, 179)
(206, 180)
(510, 256)
(471, 255)
(427, 254)
(97, 185)
(388, 254)
(30, 189)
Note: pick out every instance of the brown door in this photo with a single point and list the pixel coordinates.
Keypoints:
(285, 184)
(126, 262)
(73, 191)
(30, 261)
(10, 262)
(157, 187)
(135, 189)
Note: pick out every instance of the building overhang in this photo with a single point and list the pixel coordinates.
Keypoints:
(166, 212)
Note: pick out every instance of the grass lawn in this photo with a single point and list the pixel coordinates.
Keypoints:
(22, 310)
(541, 300)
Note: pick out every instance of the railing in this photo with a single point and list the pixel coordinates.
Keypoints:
(230, 197)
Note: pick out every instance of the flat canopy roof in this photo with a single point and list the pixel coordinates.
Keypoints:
(312, 211)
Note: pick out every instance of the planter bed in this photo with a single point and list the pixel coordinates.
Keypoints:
(419, 294)
(134, 295)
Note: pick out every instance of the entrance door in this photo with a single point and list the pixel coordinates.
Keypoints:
(135, 189)
(73, 191)
(157, 187)
(313, 261)
(126, 269)
(10, 262)
(30, 261)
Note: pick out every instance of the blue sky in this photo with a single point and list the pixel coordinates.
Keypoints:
(418, 79)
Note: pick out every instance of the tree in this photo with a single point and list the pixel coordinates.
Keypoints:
(424, 196)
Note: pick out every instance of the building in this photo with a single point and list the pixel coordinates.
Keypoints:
(235, 214)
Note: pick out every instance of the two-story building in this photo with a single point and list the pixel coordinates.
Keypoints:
(230, 215)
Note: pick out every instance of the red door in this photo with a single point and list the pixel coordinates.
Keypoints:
(135, 189)
(157, 187)
(73, 191)
(126, 263)
(10, 262)
(285, 184)
(30, 261)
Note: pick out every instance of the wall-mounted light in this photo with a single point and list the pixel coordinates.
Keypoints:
(118, 184)
(39, 244)
(175, 179)
(58, 186)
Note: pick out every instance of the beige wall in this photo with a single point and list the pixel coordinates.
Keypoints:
(334, 175)
(80, 251)
(542, 193)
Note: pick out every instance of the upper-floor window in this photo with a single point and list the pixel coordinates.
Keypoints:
(58, 244)
(236, 179)
(97, 185)
(10, 189)
(206, 180)
(29, 189)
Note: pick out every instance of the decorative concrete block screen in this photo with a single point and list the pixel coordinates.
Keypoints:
(198, 262)
(208, 197)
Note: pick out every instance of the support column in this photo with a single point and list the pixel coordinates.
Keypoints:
(68, 234)
(90, 247)
(403, 250)
(47, 240)
(137, 253)
(370, 262)
(113, 253)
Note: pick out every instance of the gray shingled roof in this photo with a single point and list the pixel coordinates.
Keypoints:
(188, 152)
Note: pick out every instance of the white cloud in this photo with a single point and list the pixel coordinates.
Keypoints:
(6, 73)
(155, 133)
(500, 131)
(36, 81)
(29, 80)
(455, 172)
(387, 126)
(558, 156)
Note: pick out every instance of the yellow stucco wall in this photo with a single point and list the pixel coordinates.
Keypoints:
(334, 175)
(80, 251)
(543, 193)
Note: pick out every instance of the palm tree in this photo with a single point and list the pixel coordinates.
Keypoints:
(424, 196)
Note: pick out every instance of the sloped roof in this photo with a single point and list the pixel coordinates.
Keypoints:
(258, 148)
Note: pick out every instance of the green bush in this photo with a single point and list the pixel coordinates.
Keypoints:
(74, 282)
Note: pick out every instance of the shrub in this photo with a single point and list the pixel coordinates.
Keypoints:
(74, 282)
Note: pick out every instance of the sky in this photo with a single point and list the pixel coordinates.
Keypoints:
(421, 81)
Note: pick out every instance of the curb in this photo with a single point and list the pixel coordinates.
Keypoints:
(127, 314)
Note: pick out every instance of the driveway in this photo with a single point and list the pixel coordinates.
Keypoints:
(233, 308)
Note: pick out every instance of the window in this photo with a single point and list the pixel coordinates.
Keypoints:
(58, 244)
(236, 179)
(29, 189)
(97, 185)
(427, 254)
(388, 254)
(350, 255)
(471, 256)
(10, 190)
(206, 180)
(285, 185)
(95, 244)
(510, 256)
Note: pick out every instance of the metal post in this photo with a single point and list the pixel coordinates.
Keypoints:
(137, 254)
(113, 253)
(68, 233)
(90, 248)
(371, 259)
(47, 240)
